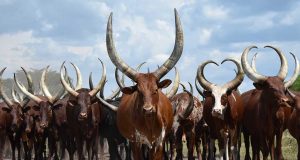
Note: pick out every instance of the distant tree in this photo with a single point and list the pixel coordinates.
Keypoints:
(296, 85)
(52, 81)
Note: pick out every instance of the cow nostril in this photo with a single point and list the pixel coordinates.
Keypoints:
(83, 115)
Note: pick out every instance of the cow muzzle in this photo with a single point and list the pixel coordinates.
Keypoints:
(27, 130)
(44, 125)
(14, 127)
(148, 109)
(83, 115)
(218, 112)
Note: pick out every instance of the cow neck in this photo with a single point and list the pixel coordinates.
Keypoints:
(269, 105)
(149, 125)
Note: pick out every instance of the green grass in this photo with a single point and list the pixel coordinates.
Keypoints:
(289, 148)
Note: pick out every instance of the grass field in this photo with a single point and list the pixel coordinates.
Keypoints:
(289, 148)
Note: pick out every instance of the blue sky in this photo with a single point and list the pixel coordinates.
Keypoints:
(36, 33)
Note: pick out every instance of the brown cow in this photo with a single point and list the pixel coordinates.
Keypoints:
(262, 108)
(11, 121)
(83, 114)
(188, 114)
(223, 111)
(284, 111)
(145, 113)
(294, 119)
(42, 114)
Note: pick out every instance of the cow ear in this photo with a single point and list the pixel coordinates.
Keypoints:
(36, 108)
(55, 107)
(25, 109)
(6, 109)
(71, 103)
(164, 84)
(129, 90)
(207, 93)
(258, 85)
(229, 92)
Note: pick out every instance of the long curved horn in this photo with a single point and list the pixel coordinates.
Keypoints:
(284, 64)
(79, 77)
(290, 82)
(138, 70)
(200, 91)
(101, 82)
(291, 93)
(175, 87)
(253, 64)
(119, 81)
(254, 76)
(45, 89)
(91, 81)
(176, 53)
(190, 106)
(200, 75)
(238, 78)
(29, 81)
(27, 93)
(13, 94)
(114, 56)
(65, 84)
(4, 96)
(110, 106)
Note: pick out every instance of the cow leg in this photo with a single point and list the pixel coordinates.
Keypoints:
(271, 148)
(2, 143)
(128, 150)
(178, 141)
(211, 154)
(79, 146)
(136, 150)
(12, 145)
(298, 142)
(198, 144)
(255, 147)
(113, 149)
(278, 145)
(247, 144)
(234, 136)
(190, 136)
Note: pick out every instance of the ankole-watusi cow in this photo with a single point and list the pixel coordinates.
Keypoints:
(187, 115)
(284, 111)
(294, 119)
(145, 114)
(43, 117)
(223, 111)
(263, 108)
(83, 114)
(11, 121)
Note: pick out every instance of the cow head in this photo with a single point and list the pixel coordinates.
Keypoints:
(41, 105)
(81, 97)
(219, 94)
(148, 85)
(273, 87)
(13, 108)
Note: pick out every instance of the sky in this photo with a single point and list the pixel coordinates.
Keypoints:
(37, 33)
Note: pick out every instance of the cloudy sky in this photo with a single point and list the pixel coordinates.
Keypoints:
(36, 33)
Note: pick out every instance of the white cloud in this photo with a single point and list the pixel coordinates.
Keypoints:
(204, 36)
(215, 12)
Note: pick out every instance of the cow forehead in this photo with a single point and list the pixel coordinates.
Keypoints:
(218, 91)
(275, 82)
(146, 79)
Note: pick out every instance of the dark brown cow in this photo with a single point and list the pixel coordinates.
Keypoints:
(11, 121)
(284, 111)
(145, 113)
(42, 114)
(294, 119)
(223, 111)
(83, 114)
(263, 108)
(188, 114)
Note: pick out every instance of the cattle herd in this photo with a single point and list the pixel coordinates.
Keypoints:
(145, 123)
